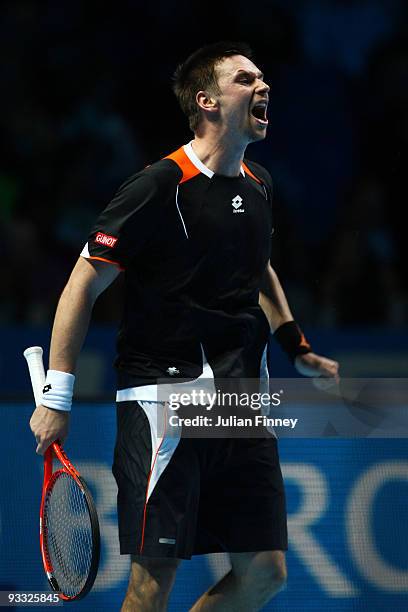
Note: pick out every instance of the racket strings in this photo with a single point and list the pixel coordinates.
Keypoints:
(68, 534)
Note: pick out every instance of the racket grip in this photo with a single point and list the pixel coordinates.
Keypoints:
(34, 358)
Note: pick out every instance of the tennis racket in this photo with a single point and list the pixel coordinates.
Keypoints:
(69, 527)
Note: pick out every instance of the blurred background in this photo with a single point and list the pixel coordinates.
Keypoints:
(86, 101)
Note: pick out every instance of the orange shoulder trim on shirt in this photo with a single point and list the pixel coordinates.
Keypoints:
(184, 163)
(248, 171)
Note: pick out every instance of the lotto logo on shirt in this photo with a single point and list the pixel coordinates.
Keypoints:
(106, 240)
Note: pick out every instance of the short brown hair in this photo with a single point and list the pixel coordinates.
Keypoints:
(198, 73)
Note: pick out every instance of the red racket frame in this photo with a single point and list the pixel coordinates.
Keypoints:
(48, 483)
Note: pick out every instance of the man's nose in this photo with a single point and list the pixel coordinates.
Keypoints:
(263, 87)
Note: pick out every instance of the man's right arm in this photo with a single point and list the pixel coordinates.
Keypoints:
(88, 280)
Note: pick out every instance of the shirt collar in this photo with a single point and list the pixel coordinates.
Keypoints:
(188, 149)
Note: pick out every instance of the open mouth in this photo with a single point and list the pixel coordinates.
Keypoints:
(259, 112)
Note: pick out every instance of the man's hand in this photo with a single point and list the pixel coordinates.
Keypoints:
(47, 426)
(311, 364)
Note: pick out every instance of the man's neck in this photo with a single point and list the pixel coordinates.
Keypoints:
(218, 156)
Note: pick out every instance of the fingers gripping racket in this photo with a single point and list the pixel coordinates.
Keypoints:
(69, 528)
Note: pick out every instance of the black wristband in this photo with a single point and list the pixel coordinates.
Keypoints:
(291, 340)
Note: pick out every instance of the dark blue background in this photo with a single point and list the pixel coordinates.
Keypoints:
(337, 465)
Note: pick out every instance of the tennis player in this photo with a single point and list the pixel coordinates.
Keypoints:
(192, 234)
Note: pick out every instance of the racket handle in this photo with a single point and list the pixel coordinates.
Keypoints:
(34, 357)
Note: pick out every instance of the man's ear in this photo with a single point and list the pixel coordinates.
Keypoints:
(207, 102)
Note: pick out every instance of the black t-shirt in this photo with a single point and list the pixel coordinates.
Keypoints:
(193, 246)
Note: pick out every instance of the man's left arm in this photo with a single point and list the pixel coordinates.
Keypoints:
(273, 302)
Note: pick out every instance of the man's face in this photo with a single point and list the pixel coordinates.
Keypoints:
(244, 98)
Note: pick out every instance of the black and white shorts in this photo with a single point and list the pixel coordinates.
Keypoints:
(178, 497)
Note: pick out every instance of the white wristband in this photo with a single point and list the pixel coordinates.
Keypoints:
(58, 390)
